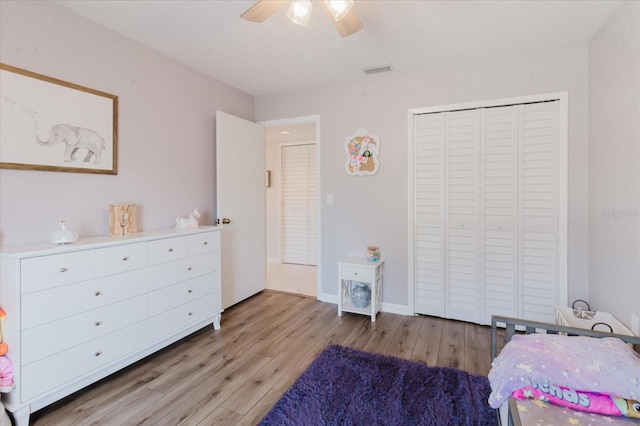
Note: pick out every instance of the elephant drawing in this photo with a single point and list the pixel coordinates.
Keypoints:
(76, 138)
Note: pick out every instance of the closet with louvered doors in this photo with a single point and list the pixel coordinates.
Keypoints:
(489, 212)
(299, 215)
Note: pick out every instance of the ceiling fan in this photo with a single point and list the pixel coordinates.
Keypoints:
(340, 11)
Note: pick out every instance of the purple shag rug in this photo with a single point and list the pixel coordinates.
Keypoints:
(345, 386)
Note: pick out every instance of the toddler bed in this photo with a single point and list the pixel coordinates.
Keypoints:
(556, 370)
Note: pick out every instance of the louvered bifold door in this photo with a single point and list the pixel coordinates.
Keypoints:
(499, 198)
(298, 204)
(462, 195)
(539, 210)
(429, 230)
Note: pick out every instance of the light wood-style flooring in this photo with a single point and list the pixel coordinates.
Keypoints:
(233, 376)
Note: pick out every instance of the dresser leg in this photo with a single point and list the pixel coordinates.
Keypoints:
(21, 416)
(216, 322)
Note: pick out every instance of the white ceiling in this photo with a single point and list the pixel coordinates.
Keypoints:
(278, 56)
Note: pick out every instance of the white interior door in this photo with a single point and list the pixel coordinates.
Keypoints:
(240, 157)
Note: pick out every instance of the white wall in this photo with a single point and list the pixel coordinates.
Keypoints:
(166, 131)
(372, 210)
(614, 164)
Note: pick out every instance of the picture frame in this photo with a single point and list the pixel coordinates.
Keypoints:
(54, 125)
(362, 149)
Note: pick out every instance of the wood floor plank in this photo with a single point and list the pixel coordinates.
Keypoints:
(234, 375)
(451, 351)
(427, 344)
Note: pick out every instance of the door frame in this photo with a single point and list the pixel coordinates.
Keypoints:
(315, 119)
(563, 179)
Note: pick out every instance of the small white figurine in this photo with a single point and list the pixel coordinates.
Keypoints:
(190, 222)
(64, 236)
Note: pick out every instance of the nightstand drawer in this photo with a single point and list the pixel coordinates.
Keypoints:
(356, 273)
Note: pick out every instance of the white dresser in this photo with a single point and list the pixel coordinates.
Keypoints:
(79, 312)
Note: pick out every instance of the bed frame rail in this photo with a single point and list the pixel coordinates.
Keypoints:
(513, 324)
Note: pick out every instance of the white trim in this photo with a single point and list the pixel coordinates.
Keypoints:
(328, 298)
(490, 103)
(315, 119)
(563, 98)
(563, 194)
(392, 308)
(411, 197)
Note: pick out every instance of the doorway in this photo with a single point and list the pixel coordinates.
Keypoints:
(285, 273)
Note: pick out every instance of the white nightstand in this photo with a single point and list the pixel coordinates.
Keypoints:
(365, 277)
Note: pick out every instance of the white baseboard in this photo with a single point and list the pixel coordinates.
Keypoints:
(329, 298)
(391, 308)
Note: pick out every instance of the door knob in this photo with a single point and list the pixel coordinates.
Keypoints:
(226, 221)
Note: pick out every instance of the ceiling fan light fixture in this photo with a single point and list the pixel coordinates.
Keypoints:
(299, 12)
(338, 8)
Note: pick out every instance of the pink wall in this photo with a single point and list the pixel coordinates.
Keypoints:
(373, 210)
(614, 164)
(166, 160)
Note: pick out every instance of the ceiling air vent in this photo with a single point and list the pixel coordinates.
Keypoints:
(378, 69)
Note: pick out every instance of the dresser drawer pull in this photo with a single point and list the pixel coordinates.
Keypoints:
(98, 353)
(189, 291)
(355, 273)
(97, 293)
(63, 269)
(124, 259)
(205, 243)
(189, 268)
(170, 250)
(98, 323)
(190, 313)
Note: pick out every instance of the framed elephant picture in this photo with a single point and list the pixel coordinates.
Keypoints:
(50, 124)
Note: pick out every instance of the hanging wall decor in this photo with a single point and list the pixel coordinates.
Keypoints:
(362, 150)
(54, 125)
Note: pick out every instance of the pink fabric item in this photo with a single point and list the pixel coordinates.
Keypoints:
(6, 372)
(591, 402)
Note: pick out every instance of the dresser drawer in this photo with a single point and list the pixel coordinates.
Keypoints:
(65, 367)
(39, 273)
(183, 292)
(202, 243)
(57, 336)
(113, 260)
(356, 273)
(167, 250)
(50, 305)
(175, 320)
(170, 273)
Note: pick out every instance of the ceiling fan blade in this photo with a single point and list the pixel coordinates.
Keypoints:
(348, 25)
(262, 10)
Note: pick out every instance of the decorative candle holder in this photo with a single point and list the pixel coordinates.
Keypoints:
(122, 219)
(373, 254)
